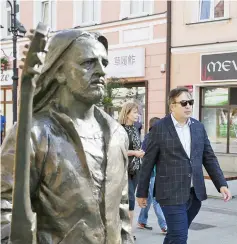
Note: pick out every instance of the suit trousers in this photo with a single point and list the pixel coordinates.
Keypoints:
(179, 218)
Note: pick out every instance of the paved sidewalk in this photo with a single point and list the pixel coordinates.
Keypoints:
(216, 223)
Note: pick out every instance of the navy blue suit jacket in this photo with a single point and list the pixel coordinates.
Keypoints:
(174, 169)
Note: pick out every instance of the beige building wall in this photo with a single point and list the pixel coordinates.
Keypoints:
(192, 38)
(187, 30)
(141, 30)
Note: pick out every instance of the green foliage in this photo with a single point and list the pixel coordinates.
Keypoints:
(4, 63)
(110, 93)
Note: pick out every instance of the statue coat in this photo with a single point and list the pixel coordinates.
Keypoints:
(61, 184)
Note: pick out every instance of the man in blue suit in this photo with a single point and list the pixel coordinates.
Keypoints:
(178, 145)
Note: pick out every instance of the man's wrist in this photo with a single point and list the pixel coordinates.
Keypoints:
(224, 186)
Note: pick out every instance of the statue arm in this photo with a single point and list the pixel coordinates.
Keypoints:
(126, 235)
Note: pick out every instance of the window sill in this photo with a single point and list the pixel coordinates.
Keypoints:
(133, 16)
(85, 24)
(209, 21)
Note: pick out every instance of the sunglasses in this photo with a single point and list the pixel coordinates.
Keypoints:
(184, 103)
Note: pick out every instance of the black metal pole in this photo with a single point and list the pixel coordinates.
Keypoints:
(15, 69)
(168, 56)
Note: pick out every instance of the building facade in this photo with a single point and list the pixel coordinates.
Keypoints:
(204, 58)
(136, 32)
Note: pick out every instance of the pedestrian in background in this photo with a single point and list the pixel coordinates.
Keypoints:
(143, 216)
(3, 122)
(127, 117)
(179, 146)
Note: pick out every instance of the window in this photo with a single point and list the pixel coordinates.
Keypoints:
(130, 8)
(139, 6)
(45, 11)
(213, 9)
(6, 107)
(9, 17)
(219, 115)
(5, 18)
(87, 12)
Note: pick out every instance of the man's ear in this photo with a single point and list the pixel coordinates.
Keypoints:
(171, 107)
(60, 75)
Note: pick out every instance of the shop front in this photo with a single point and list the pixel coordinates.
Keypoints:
(129, 67)
(212, 77)
(218, 104)
(6, 101)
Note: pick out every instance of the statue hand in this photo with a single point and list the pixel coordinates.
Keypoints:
(34, 54)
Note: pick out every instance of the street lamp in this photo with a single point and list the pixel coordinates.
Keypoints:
(15, 29)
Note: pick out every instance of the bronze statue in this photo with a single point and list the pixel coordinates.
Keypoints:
(78, 153)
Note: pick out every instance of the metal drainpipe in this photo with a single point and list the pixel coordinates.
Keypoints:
(168, 56)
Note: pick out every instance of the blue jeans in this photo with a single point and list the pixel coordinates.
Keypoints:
(144, 211)
(179, 218)
(132, 186)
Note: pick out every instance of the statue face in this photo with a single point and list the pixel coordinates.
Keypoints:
(84, 69)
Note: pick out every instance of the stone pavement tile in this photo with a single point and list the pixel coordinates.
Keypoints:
(219, 203)
(215, 212)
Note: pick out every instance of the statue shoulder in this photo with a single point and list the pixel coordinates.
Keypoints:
(42, 124)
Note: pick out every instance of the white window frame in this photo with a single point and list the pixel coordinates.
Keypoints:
(38, 13)
(212, 10)
(78, 14)
(125, 11)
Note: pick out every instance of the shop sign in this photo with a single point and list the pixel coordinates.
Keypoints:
(219, 67)
(6, 77)
(126, 63)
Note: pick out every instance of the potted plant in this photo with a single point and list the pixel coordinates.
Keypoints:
(4, 63)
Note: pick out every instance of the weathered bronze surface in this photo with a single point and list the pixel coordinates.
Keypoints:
(78, 153)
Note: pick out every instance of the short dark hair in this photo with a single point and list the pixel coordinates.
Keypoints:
(152, 121)
(175, 93)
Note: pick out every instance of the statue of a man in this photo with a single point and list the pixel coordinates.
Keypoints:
(78, 172)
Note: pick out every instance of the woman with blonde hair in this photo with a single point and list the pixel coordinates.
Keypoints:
(127, 117)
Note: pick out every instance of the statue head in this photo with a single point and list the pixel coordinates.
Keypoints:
(77, 60)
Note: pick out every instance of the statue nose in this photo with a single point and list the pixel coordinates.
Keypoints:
(100, 68)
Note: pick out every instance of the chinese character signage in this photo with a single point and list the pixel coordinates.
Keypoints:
(126, 63)
(219, 67)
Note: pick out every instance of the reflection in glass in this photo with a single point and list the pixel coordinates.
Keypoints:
(88, 11)
(134, 7)
(205, 9)
(215, 122)
(219, 8)
(233, 96)
(215, 96)
(134, 94)
(233, 130)
(45, 12)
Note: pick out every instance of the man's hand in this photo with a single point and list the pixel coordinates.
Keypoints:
(139, 154)
(142, 202)
(225, 193)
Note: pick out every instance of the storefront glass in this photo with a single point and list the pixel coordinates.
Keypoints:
(219, 115)
(215, 123)
(135, 94)
(233, 130)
